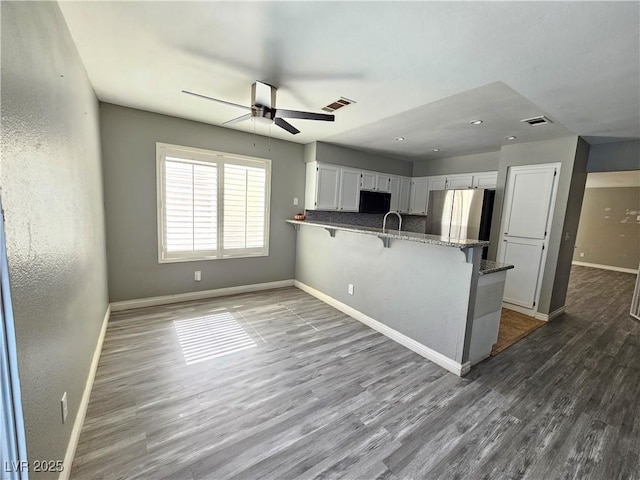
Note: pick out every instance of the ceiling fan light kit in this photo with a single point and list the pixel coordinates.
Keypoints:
(263, 109)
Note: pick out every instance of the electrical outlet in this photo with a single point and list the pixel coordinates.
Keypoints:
(65, 410)
(350, 289)
(581, 254)
(295, 200)
(197, 276)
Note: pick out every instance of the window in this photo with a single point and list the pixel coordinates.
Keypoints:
(211, 204)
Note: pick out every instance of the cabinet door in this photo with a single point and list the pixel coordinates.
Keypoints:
(382, 182)
(522, 282)
(349, 198)
(394, 189)
(459, 181)
(485, 180)
(405, 192)
(368, 181)
(437, 183)
(327, 187)
(419, 192)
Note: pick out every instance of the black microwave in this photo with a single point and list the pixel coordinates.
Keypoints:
(374, 202)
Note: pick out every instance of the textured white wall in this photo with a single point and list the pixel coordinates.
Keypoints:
(51, 186)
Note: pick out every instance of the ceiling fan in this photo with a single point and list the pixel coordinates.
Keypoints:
(263, 108)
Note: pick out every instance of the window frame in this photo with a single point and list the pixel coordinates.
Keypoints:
(208, 157)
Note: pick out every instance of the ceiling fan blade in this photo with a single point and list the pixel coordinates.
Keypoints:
(286, 125)
(238, 120)
(215, 99)
(304, 115)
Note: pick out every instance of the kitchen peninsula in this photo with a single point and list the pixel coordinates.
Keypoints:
(433, 294)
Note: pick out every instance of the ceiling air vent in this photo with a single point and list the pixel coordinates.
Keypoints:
(341, 102)
(535, 121)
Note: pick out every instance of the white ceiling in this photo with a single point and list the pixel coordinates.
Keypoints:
(421, 70)
(613, 179)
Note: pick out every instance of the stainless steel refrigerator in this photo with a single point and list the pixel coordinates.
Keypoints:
(461, 214)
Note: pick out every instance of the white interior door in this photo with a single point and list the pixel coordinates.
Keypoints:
(522, 282)
(526, 221)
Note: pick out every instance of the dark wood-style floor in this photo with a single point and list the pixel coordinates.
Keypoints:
(311, 393)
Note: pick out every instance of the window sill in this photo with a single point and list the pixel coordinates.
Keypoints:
(204, 259)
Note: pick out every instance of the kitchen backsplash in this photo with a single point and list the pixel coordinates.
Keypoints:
(410, 223)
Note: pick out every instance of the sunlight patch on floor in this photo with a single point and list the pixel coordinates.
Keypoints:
(211, 336)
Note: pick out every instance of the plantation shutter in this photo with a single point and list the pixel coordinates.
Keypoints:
(190, 208)
(245, 190)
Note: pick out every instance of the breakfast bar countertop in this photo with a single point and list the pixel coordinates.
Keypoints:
(489, 266)
(396, 234)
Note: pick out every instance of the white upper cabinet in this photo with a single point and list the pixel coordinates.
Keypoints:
(327, 187)
(405, 192)
(349, 196)
(394, 190)
(459, 181)
(437, 183)
(383, 182)
(368, 180)
(419, 196)
(485, 180)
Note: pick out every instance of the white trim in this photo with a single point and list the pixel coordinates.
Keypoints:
(84, 402)
(186, 297)
(411, 344)
(506, 213)
(533, 312)
(220, 160)
(552, 315)
(605, 267)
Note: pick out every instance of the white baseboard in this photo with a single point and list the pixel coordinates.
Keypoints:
(186, 297)
(552, 315)
(531, 312)
(84, 402)
(411, 344)
(605, 267)
(534, 313)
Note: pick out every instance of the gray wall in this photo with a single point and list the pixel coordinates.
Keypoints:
(562, 150)
(51, 189)
(129, 161)
(612, 241)
(348, 157)
(614, 157)
(570, 227)
(420, 290)
(479, 162)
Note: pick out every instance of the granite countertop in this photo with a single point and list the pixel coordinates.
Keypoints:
(397, 234)
(489, 266)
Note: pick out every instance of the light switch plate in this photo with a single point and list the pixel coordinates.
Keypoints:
(350, 289)
(295, 200)
(197, 276)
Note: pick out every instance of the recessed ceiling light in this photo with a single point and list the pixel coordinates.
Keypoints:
(399, 139)
(435, 149)
(475, 122)
(510, 137)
